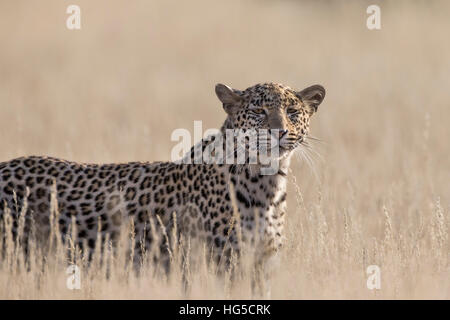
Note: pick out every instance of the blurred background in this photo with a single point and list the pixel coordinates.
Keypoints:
(137, 70)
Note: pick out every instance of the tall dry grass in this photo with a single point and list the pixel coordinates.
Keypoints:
(114, 91)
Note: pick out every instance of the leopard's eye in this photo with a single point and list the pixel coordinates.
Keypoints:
(258, 111)
(292, 111)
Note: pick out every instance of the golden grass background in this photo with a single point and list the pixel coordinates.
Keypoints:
(116, 89)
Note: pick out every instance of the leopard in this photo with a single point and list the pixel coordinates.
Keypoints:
(222, 205)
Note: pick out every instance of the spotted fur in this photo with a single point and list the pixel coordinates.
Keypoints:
(199, 194)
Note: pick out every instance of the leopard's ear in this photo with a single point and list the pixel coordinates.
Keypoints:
(229, 97)
(312, 96)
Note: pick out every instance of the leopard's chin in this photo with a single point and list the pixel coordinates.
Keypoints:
(285, 151)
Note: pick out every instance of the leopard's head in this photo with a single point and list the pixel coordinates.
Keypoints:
(280, 110)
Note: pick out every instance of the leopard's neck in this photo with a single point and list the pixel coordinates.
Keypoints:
(257, 196)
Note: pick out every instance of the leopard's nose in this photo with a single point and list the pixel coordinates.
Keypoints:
(282, 133)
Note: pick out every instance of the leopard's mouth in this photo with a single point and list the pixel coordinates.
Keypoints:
(281, 148)
(291, 144)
